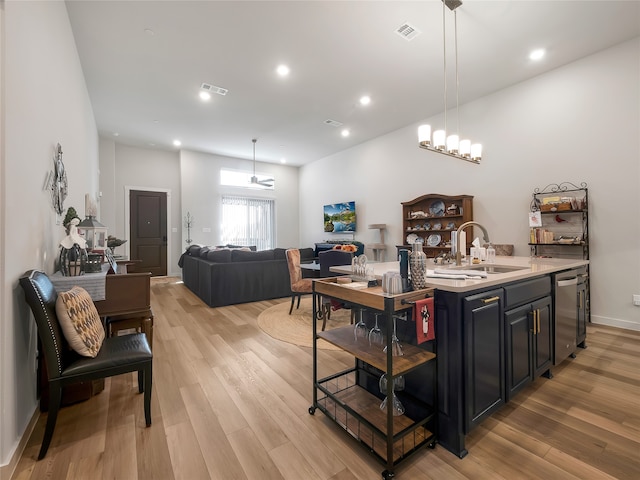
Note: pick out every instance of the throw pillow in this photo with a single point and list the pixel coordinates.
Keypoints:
(307, 254)
(251, 256)
(80, 322)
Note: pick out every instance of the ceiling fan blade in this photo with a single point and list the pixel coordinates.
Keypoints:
(265, 183)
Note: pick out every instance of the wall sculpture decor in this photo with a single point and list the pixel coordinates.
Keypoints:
(59, 184)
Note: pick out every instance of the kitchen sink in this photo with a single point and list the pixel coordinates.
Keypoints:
(492, 268)
(496, 268)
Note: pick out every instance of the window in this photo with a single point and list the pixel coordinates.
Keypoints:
(248, 221)
(234, 178)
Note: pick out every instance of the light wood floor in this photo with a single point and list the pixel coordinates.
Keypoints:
(230, 402)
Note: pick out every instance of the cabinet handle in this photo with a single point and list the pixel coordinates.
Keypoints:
(536, 321)
(580, 296)
(533, 318)
(490, 299)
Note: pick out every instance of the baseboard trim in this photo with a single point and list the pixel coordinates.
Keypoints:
(7, 471)
(615, 322)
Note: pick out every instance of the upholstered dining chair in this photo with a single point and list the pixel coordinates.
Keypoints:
(302, 286)
(332, 258)
(299, 286)
(117, 355)
(328, 259)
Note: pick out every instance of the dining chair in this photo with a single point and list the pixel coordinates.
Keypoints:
(299, 286)
(328, 259)
(332, 258)
(117, 355)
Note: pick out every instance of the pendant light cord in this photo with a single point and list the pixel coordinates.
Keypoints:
(455, 26)
(444, 52)
(254, 140)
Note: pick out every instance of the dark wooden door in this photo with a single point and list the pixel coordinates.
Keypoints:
(148, 217)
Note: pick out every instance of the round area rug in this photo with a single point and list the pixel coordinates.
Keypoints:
(297, 328)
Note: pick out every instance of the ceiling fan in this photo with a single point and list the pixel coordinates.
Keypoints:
(265, 182)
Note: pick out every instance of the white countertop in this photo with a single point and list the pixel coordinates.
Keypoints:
(532, 267)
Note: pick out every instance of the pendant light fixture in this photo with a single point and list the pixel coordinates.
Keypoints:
(449, 145)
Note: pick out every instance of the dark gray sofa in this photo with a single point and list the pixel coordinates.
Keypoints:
(229, 276)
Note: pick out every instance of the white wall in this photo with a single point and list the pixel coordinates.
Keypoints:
(194, 181)
(123, 166)
(201, 193)
(579, 123)
(44, 101)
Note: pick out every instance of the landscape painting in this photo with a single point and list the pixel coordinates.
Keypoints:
(340, 217)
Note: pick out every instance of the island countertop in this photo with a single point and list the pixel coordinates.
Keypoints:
(529, 267)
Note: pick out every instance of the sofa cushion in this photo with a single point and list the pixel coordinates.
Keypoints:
(219, 255)
(194, 250)
(251, 256)
(203, 252)
(80, 321)
(279, 254)
(306, 254)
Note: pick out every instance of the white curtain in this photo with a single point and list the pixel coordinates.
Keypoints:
(248, 221)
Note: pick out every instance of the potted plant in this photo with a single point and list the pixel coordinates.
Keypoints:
(71, 214)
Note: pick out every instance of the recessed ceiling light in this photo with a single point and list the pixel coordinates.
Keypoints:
(537, 54)
(150, 32)
(365, 100)
(205, 96)
(283, 70)
(177, 143)
(345, 133)
(116, 134)
(283, 160)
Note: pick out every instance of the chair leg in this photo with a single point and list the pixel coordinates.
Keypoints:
(140, 381)
(55, 397)
(148, 380)
(299, 297)
(293, 299)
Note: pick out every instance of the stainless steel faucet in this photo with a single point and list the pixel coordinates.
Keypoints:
(462, 227)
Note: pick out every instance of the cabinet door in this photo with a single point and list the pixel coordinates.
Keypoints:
(543, 338)
(484, 355)
(519, 348)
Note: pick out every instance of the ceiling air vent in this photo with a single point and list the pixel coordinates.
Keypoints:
(213, 89)
(408, 32)
(333, 123)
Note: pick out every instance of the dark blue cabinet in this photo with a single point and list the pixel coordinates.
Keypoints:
(484, 356)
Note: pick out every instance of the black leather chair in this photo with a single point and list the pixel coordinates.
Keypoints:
(118, 355)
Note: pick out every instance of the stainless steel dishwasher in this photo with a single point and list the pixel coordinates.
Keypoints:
(566, 310)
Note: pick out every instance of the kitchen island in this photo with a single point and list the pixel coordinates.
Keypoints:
(494, 335)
